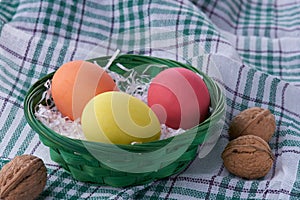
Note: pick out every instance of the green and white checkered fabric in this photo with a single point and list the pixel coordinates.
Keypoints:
(254, 47)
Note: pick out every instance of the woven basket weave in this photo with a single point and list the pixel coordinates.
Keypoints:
(170, 155)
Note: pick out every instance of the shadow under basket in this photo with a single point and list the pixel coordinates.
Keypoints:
(126, 165)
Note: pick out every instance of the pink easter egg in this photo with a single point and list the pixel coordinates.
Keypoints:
(179, 97)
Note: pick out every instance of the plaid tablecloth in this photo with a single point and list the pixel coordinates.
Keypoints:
(255, 50)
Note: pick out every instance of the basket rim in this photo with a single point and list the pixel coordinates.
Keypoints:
(76, 145)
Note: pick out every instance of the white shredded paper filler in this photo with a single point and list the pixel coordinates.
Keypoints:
(132, 84)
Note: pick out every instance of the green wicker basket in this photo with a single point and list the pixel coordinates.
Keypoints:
(167, 157)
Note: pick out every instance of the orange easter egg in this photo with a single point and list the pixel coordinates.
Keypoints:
(75, 83)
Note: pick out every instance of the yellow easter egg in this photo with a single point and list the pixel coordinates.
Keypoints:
(119, 118)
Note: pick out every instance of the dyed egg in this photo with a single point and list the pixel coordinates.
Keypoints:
(119, 118)
(179, 97)
(75, 83)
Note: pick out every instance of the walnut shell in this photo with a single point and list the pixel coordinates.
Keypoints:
(248, 157)
(24, 177)
(253, 121)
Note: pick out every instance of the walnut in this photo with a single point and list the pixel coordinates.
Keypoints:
(24, 177)
(253, 121)
(248, 157)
